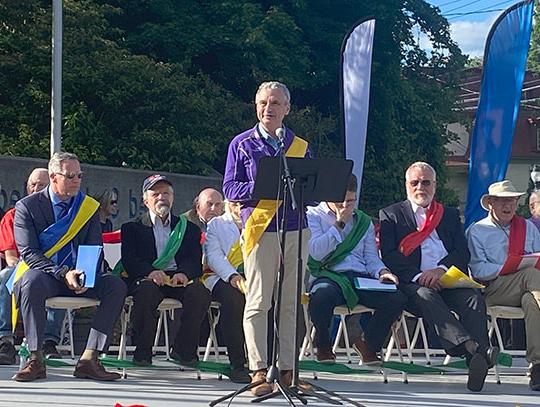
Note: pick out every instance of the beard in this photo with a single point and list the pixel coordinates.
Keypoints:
(162, 209)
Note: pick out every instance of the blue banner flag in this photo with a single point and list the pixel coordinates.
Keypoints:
(356, 55)
(505, 58)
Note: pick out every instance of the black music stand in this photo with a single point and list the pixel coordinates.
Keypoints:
(309, 180)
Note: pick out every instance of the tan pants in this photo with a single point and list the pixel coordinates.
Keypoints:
(261, 268)
(521, 289)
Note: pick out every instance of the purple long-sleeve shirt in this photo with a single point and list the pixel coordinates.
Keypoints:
(245, 151)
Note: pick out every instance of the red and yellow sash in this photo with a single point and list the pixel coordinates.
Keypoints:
(516, 245)
(414, 239)
(88, 207)
(266, 209)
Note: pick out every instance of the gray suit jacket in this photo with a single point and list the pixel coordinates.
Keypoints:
(33, 215)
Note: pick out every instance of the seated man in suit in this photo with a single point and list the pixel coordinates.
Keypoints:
(206, 206)
(38, 180)
(50, 225)
(420, 240)
(497, 243)
(161, 254)
(342, 246)
(222, 277)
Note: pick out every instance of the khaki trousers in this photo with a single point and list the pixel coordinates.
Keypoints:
(521, 289)
(261, 269)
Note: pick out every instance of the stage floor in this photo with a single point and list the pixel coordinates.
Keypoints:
(161, 388)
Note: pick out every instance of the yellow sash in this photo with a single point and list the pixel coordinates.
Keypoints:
(235, 256)
(87, 209)
(266, 209)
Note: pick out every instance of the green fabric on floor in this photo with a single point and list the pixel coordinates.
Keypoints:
(337, 368)
(411, 368)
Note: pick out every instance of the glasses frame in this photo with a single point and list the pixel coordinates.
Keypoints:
(424, 182)
(71, 175)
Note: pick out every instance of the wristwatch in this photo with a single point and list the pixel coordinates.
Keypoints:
(340, 224)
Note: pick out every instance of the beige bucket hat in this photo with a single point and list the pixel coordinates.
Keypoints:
(502, 189)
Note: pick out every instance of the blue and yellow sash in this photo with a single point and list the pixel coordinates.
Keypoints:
(266, 209)
(57, 235)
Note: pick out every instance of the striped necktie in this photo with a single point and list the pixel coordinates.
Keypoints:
(64, 256)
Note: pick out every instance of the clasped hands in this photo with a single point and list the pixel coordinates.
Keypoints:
(160, 278)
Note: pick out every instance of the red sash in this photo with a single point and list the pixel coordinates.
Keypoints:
(516, 245)
(414, 239)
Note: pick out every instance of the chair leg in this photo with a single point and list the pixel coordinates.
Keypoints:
(425, 340)
(345, 333)
(70, 327)
(338, 336)
(400, 353)
(405, 328)
(158, 329)
(166, 328)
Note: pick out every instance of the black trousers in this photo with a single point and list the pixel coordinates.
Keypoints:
(147, 296)
(230, 321)
(437, 306)
(35, 286)
(325, 295)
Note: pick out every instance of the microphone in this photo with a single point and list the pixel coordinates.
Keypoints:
(280, 134)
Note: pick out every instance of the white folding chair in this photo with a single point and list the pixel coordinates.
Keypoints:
(212, 342)
(70, 304)
(506, 312)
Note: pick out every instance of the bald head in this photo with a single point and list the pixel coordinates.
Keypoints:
(534, 204)
(38, 180)
(209, 204)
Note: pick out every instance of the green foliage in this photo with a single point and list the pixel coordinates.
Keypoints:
(166, 84)
(533, 61)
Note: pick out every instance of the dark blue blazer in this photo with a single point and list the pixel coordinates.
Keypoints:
(33, 214)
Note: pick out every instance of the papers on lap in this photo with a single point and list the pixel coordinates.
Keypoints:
(371, 284)
(455, 278)
(517, 263)
(87, 261)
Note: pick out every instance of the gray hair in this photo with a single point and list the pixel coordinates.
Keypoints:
(55, 163)
(274, 85)
(423, 166)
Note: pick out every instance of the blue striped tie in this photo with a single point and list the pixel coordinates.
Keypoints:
(64, 254)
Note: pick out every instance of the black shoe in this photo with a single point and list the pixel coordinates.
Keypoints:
(240, 375)
(189, 362)
(142, 357)
(50, 351)
(534, 383)
(7, 353)
(478, 368)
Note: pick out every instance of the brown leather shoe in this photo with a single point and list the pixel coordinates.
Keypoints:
(33, 369)
(368, 356)
(263, 388)
(325, 355)
(93, 369)
(285, 378)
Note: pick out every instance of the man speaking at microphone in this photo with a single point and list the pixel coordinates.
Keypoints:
(260, 239)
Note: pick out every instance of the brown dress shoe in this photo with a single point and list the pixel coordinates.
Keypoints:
(93, 369)
(325, 355)
(285, 378)
(263, 388)
(368, 356)
(33, 369)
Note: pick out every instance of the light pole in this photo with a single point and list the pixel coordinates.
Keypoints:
(56, 91)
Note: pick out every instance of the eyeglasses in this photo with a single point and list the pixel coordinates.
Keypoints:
(71, 175)
(114, 202)
(424, 182)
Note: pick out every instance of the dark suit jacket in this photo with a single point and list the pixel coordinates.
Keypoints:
(397, 221)
(139, 249)
(33, 215)
(192, 216)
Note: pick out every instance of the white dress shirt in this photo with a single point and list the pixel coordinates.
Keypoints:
(432, 248)
(364, 258)
(221, 234)
(162, 231)
(488, 244)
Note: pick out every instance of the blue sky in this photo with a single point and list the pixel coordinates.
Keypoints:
(471, 20)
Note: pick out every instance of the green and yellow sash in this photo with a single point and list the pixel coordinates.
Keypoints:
(79, 218)
(266, 209)
(234, 257)
(342, 250)
(171, 248)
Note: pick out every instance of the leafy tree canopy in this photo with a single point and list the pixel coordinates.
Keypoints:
(165, 84)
